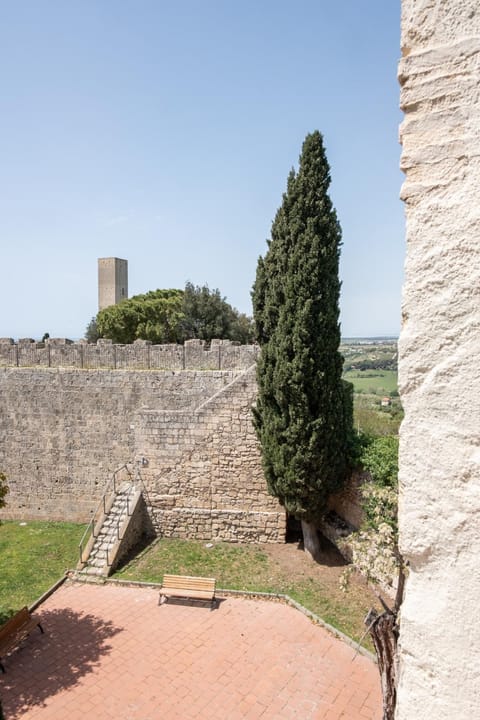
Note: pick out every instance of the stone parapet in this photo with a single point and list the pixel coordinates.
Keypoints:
(140, 355)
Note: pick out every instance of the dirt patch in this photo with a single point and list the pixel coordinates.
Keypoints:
(292, 559)
(289, 563)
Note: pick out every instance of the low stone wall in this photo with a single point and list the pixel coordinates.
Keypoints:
(344, 515)
(138, 527)
(348, 503)
(229, 526)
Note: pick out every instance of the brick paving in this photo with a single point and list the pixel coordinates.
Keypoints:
(111, 652)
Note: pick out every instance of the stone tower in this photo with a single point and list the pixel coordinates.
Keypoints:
(112, 281)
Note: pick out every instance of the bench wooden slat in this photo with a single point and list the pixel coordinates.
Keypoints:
(186, 586)
(186, 582)
(16, 629)
(180, 592)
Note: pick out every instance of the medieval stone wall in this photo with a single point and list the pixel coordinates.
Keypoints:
(63, 431)
(140, 355)
(439, 379)
(204, 478)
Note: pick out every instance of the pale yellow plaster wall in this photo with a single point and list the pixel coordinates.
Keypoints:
(439, 361)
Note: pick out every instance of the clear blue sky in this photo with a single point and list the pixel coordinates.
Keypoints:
(163, 133)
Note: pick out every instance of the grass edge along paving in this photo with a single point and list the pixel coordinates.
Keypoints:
(35, 554)
(250, 568)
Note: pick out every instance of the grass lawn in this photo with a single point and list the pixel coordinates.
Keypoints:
(380, 382)
(263, 568)
(33, 557)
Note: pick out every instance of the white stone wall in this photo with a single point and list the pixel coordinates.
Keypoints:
(439, 368)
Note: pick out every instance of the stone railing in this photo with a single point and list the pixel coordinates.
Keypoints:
(141, 355)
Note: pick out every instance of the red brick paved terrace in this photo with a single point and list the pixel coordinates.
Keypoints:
(111, 652)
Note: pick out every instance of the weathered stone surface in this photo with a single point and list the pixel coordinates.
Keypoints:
(204, 478)
(64, 431)
(438, 360)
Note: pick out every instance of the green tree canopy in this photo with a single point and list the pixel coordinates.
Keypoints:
(380, 458)
(154, 316)
(303, 416)
(172, 316)
(91, 332)
(208, 315)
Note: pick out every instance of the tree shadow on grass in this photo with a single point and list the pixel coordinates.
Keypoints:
(44, 665)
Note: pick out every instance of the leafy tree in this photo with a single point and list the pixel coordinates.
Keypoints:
(380, 458)
(91, 331)
(243, 329)
(154, 316)
(208, 315)
(160, 313)
(303, 416)
(170, 316)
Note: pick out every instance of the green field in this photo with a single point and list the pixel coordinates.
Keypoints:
(32, 557)
(372, 369)
(373, 382)
(361, 354)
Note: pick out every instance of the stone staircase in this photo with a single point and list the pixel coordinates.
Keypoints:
(108, 537)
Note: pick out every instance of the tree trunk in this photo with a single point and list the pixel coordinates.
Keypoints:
(311, 542)
(384, 632)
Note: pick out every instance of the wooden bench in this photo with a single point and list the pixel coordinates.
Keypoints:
(16, 629)
(184, 586)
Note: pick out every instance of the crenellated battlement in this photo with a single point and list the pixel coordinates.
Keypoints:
(141, 355)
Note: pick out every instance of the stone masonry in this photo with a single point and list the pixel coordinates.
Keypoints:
(65, 427)
(204, 478)
(141, 355)
(439, 353)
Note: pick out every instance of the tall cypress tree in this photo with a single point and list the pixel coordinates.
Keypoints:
(303, 416)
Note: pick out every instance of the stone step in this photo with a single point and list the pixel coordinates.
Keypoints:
(90, 570)
(108, 534)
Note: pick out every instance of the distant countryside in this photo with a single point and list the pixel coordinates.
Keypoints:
(370, 364)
